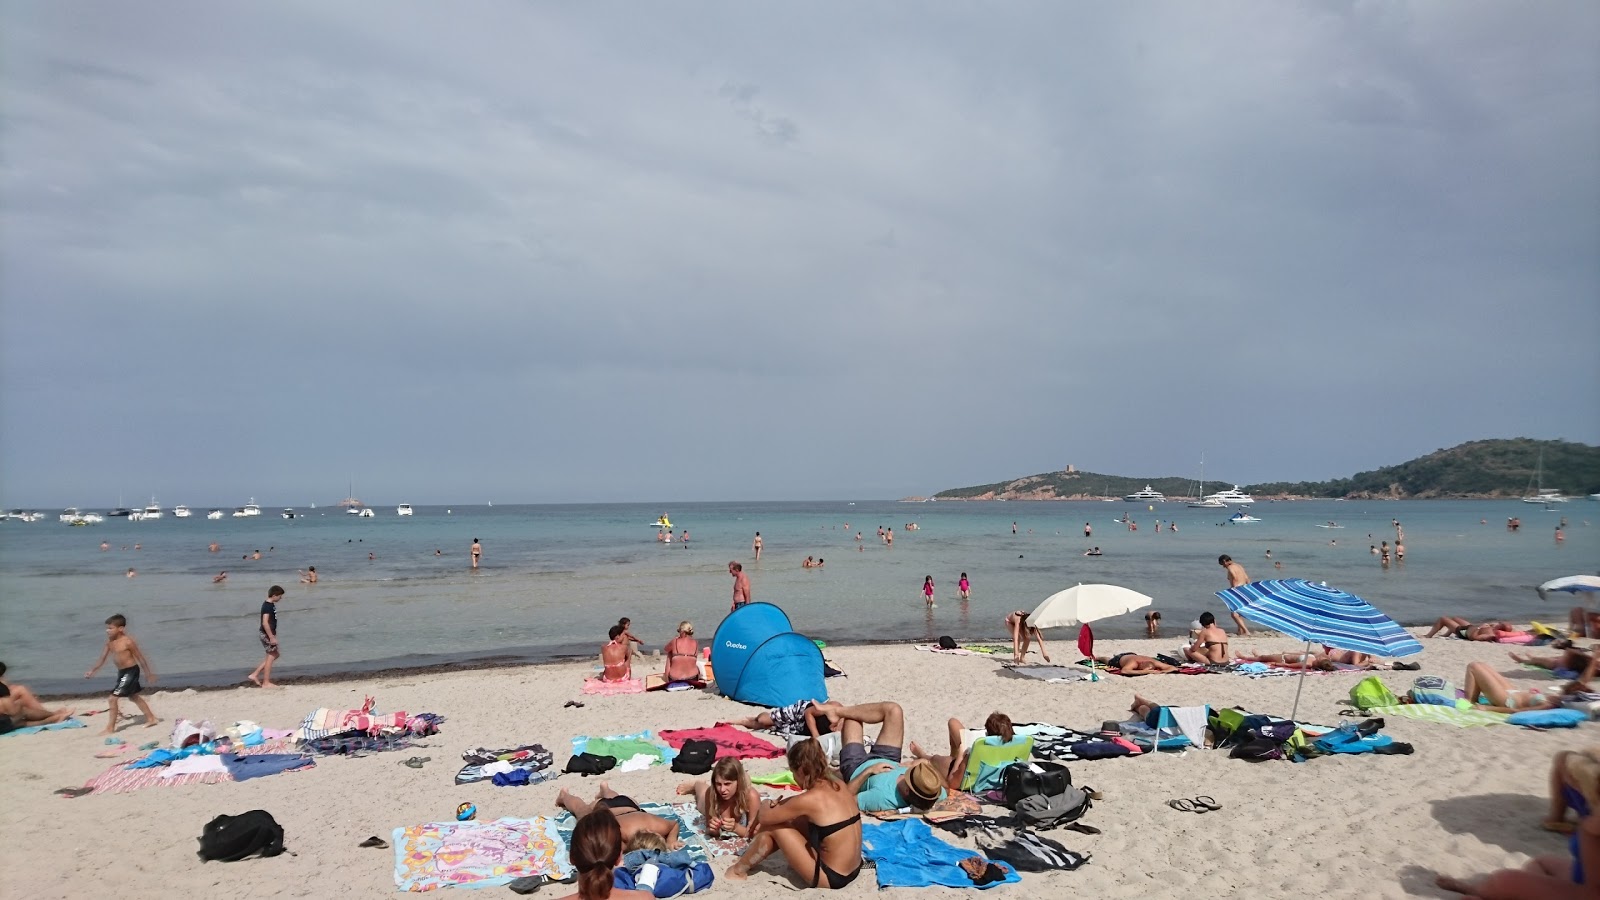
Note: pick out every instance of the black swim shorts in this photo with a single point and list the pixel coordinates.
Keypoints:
(127, 683)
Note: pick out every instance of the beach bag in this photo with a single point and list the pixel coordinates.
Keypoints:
(1433, 690)
(1371, 693)
(186, 733)
(1098, 749)
(1029, 779)
(695, 757)
(1258, 750)
(587, 764)
(232, 838)
(1042, 811)
(946, 642)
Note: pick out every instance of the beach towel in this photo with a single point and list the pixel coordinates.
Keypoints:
(954, 805)
(715, 845)
(1051, 674)
(935, 648)
(907, 854)
(483, 765)
(784, 779)
(244, 767)
(613, 688)
(477, 854)
(1191, 721)
(731, 742)
(1028, 852)
(693, 840)
(62, 725)
(623, 747)
(193, 765)
(123, 778)
(1446, 715)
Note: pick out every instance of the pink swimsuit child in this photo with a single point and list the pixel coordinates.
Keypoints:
(927, 589)
(963, 585)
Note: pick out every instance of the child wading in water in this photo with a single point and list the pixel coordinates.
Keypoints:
(927, 589)
(728, 802)
(129, 658)
(965, 586)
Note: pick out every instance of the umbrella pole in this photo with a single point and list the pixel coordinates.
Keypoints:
(1293, 716)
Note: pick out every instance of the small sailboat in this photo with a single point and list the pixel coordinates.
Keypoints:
(1544, 496)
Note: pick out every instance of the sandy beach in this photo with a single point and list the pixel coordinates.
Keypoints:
(1469, 800)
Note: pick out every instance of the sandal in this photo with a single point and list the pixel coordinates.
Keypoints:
(375, 841)
(1182, 805)
(1206, 804)
(416, 762)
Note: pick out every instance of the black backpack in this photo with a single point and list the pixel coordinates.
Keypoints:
(1020, 780)
(587, 764)
(695, 757)
(232, 838)
(946, 642)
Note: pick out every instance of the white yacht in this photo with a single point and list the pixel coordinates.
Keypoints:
(1146, 496)
(70, 513)
(1234, 497)
(366, 512)
(153, 511)
(214, 514)
(288, 513)
(239, 512)
(403, 509)
(181, 512)
(252, 508)
(91, 518)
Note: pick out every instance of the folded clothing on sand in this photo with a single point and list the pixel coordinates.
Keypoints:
(482, 764)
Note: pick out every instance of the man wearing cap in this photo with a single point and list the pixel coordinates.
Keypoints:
(878, 779)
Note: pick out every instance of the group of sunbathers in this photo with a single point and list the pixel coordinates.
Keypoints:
(682, 653)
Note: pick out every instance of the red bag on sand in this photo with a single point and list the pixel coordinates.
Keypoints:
(1086, 641)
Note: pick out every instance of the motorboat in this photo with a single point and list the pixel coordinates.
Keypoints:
(121, 512)
(181, 512)
(239, 512)
(90, 518)
(353, 511)
(1233, 497)
(26, 515)
(136, 515)
(1208, 503)
(214, 514)
(70, 513)
(153, 511)
(403, 509)
(1147, 495)
(366, 512)
(288, 513)
(1241, 518)
(252, 508)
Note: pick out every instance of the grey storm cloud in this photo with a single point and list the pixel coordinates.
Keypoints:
(698, 251)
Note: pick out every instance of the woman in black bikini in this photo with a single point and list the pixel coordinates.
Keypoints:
(628, 814)
(596, 850)
(825, 855)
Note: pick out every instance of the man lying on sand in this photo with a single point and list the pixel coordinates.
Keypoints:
(1467, 631)
(1131, 664)
(876, 776)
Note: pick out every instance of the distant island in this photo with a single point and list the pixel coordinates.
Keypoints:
(1474, 470)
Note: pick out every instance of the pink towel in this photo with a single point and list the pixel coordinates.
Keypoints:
(730, 741)
(1513, 637)
(612, 688)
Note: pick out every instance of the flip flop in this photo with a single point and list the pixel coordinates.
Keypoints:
(416, 762)
(375, 841)
(1206, 804)
(1182, 805)
(74, 791)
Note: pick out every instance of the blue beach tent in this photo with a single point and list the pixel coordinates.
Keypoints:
(759, 658)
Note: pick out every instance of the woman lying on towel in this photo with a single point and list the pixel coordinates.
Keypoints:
(596, 849)
(1489, 689)
(1572, 659)
(818, 831)
(1131, 664)
(1326, 661)
(629, 817)
(954, 766)
(1467, 631)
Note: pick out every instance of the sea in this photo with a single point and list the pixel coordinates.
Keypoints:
(398, 592)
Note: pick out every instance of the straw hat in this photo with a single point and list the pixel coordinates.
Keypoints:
(923, 783)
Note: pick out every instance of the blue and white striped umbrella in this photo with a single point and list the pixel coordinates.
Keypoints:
(1314, 612)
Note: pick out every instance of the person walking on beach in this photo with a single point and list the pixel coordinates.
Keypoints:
(1236, 578)
(927, 590)
(755, 546)
(741, 585)
(477, 551)
(130, 660)
(262, 676)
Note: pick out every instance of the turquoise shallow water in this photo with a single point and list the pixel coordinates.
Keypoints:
(555, 577)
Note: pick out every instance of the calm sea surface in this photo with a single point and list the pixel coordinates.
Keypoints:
(555, 577)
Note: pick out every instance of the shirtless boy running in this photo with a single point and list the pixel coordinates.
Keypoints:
(129, 659)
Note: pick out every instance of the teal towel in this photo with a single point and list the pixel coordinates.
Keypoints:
(35, 729)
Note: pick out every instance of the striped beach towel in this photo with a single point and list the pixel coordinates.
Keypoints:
(1446, 715)
(120, 779)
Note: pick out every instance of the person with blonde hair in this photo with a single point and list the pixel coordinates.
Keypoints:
(683, 655)
(728, 802)
(818, 831)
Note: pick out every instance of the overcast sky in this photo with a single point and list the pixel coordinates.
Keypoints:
(644, 251)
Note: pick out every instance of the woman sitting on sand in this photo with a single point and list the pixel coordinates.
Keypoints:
(596, 850)
(727, 802)
(682, 652)
(954, 766)
(1489, 689)
(1467, 631)
(818, 831)
(1131, 664)
(1021, 634)
(616, 660)
(1210, 644)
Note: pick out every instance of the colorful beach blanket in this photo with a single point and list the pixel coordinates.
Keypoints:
(624, 747)
(613, 688)
(716, 845)
(694, 840)
(477, 854)
(121, 779)
(54, 726)
(1446, 715)
(907, 854)
(730, 741)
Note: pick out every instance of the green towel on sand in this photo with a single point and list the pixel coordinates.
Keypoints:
(1448, 715)
(622, 749)
(776, 778)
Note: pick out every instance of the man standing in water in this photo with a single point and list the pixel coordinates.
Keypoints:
(755, 546)
(741, 585)
(1088, 530)
(1236, 578)
(477, 551)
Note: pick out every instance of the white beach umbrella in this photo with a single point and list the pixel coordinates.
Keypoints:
(1572, 584)
(1086, 603)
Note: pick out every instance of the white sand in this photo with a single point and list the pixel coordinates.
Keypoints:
(1469, 800)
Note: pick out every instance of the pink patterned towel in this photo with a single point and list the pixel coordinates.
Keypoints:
(612, 688)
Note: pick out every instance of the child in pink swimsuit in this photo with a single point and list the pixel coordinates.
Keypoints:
(964, 586)
(927, 589)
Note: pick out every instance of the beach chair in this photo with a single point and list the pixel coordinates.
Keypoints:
(1170, 728)
(990, 752)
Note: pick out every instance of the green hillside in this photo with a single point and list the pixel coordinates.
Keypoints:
(1493, 468)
